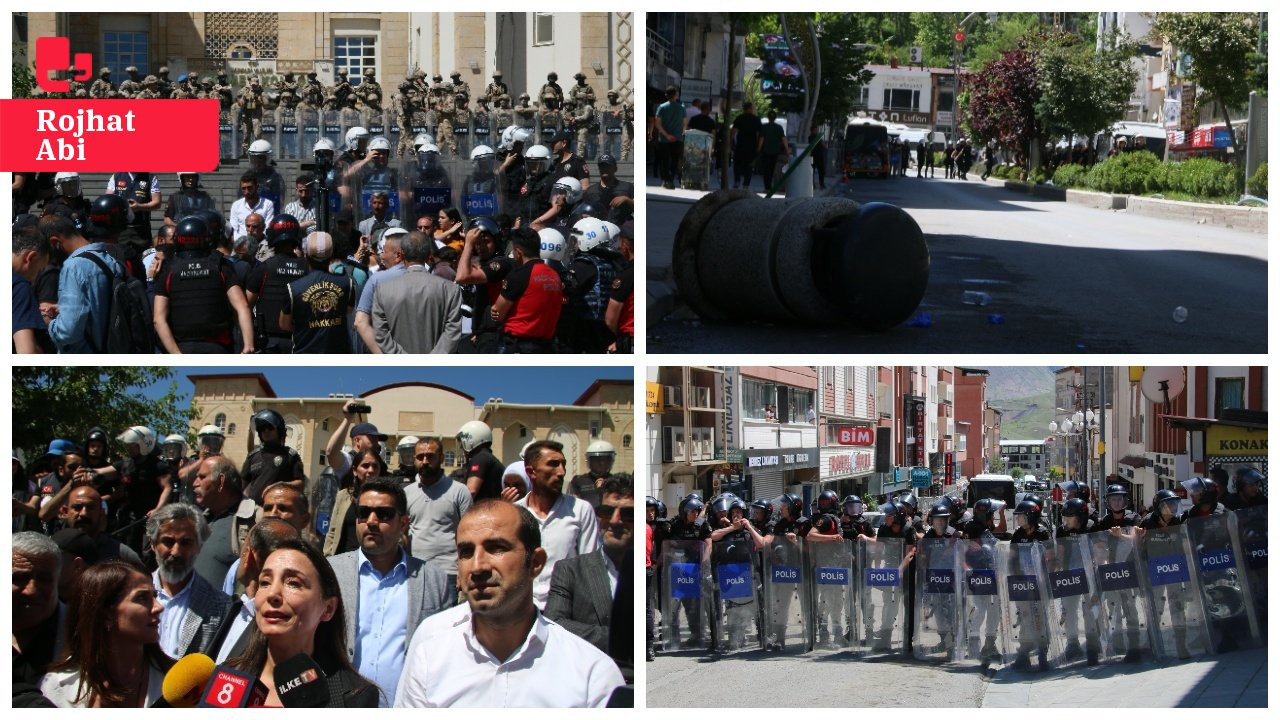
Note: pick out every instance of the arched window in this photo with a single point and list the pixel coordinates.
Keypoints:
(231, 429)
(221, 421)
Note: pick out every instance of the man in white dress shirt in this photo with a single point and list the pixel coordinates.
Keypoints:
(498, 650)
(568, 524)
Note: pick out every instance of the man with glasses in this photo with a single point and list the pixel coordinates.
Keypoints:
(436, 504)
(386, 591)
(583, 587)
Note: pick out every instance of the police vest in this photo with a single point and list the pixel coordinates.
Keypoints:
(138, 189)
(281, 270)
(596, 299)
(736, 547)
(535, 197)
(187, 203)
(198, 305)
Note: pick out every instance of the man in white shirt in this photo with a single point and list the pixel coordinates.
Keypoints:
(249, 203)
(498, 650)
(568, 524)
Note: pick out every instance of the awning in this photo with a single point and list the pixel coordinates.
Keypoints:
(1135, 461)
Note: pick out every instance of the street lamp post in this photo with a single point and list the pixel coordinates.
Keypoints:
(956, 40)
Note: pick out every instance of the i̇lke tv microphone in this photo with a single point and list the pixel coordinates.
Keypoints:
(300, 683)
(185, 680)
(233, 689)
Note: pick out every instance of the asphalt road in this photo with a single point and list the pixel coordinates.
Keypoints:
(1062, 278)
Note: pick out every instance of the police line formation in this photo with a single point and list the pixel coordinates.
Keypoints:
(944, 587)
(537, 258)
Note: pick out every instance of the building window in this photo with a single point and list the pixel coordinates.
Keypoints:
(1229, 395)
(221, 421)
(450, 458)
(324, 424)
(595, 428)
(543, 29)
(626, 441)
(756, 396)
(901, 99)
(120, 49)
(323, 460)
(240, 51)
(354, 53)
(231, 429)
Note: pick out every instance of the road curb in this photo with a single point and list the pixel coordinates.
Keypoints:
(1251, 219)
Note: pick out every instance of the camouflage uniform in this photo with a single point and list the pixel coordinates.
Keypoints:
(553, 88)
(457, 87)
(224, 92)
(548, 119)
(402, 107)
(150, 89)
(586, 124)
(420, 84)
(184, 91)
(503, 116)
(628, 129)
(133, 85)
(339, 92)
(250, 102)
(525, 114)
(460, 119)
(313, 92)
(482, 123)
(164, 86)
(101, 88)
(495, 88)
(368, 88)
(581, 92)
(439, 93)
(74, 86)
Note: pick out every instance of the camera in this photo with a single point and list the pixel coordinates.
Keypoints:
(360, 408)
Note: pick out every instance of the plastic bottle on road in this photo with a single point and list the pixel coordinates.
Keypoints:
(975, 297)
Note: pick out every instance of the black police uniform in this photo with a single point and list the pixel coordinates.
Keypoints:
(187, 202)
(482, 464)
(1062, 528)
(1039, 534)
(785, 552)
(1109, 520)
(200, 315)
(1236, 501)
(908, 537)
(575, 167)
(535, 197)
(851, 528)
(480, 297)
(140, 478)
(699, 531)
(268, 465)
(735, 547)
(137, 187)
(1151, 521)
(270, 281)
(584, 486)
(319, 303)
(511, 184)
(602, 196)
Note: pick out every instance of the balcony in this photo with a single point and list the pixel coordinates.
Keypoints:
(661, 52)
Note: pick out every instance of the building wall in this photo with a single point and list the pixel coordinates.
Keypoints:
(970, 408)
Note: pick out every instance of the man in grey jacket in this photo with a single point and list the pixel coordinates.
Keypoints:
(386, 592)
(417, 312)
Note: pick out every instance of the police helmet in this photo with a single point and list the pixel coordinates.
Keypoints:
(615, 232)
(175, 446)
(691, 503)
(538, 159)
(894, 511)
(721, 503)
(1031, 509)
(323, 145)
(589, 235)
(141, 436)
(957, 504)
(488, 226)
(910, 500)
(356, 136)
(793, 503)
(987, 508)
(853, 506)
(96, 434)
(368, 72)
(379, 143)
(68, 184)
(828, 502)
(284, 228)
(940, 509)
(586, 209)
(269, 418)
(473, 434)
(651, 503)
(1206, 488)
(422, 139)
(191, 237)
(213, 220)
(1032, 497)
(520, 135)
(132, 70)
(662, 510)
(1248, 476)
(552, 245)
(1117, 491)
(524, 96)
(600, 448)
(342, 72)
(104, 72)
(761, 509)
(108, 215)
(428, 154)
(1070, 487)
(1169, 498)
(1076, 508)
(571, 187)
(196, 175)
(209, 430)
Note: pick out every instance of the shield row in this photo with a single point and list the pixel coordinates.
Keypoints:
(1179, 592)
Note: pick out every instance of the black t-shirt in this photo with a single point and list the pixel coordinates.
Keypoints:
(584, 486)
(782, 526)
(932, 534)
(574, 167)
(703, 122)
(484, 295)
(1152, 521)
(47, 283)
(482, 464)
(681, 530)
(1108, 521)
(1021, 536)
(851, 528)
(907, 534)
(268, 465)
(143, 480)
(602, 196)
(319, 302)
(748, 135)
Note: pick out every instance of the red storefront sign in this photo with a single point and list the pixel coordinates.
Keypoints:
(864, 436)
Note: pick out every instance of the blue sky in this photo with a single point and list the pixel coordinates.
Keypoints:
(513, 384)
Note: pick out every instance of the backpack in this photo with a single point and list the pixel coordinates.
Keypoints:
(130, 328)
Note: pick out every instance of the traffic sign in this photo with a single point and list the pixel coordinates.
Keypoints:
(921, 477)
(959, 36)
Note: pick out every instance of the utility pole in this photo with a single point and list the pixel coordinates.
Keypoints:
(726, 102)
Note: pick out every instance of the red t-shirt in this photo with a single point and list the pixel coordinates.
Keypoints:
(623, 291)
(648, 545)
(537, 293)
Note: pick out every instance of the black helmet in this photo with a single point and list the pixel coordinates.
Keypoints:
(586, 208)
(662, 510)
(1117, 490)
(108, 216)
(98, 434)
(722, 502)
(1077, 508)
(191, 237)
(269, 417)
(1169, 497)
(828, 502)
(1032, 497)
(487, 225)
(893, 510)
(1070, 487)
(793, 503)
(651, 502)
(909, 499)
(957, 504)
(551, 76)
(1207, 489)
(213, 221)
(985, 508)
(284, 228)
(765, 509)
(856, 510)
(737, 502)
(1248, 476)
(940, 509)
(691, 502)
(1031, 509)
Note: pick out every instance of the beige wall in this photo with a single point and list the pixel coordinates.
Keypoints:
(515, 426)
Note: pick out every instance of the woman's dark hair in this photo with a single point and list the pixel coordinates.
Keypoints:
(330, 651)
(453, 214)
(361, 455)
(90, 648)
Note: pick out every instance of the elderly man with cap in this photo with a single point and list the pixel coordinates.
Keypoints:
(317, 304)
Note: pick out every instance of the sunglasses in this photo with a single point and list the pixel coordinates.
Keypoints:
(385, 514)
(425, 456)
(606, 512)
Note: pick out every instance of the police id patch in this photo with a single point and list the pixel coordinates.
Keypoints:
(495, 266)
(617, 283)
(981, 582)
(277, 460)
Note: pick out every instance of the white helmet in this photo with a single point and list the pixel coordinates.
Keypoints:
(553, 246)
(408, 441)
(423, 139)
(571, 187)
(508, 134)
(615, 232)
(140, 436)
(600, 447)
(481, 151)
(260, 146)
(210, 430)
(66, 176)
(428, 155)
(590, 233)
(537, 154)
(323, 145)
(68, 184)
(179, 440)
(355, 135)
(521, 135)
(473, 434)
(380, 143)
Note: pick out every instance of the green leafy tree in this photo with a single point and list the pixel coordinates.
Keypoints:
(1083, 91)
(53, 402)
(995, 465)
(1055, 473)
(1018, 473)
(24, 80)
(1223, 52)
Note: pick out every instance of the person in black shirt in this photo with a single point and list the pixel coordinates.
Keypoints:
(659, 529)
(783, 542)
(1166, 509)
(144, 477)
(1034, 630)
(617, 197)
(693, 532)
(980, 555)
(481, 270)
(852, 524)
(272, 461)
(1203, 494)
(942, 605)
(1075, 521)
(316, 305)
(482, 471)
(734, 541)
(895, 526)
(744, 135)
(1248, 489)
(566, 163)
(267, 284)
(1118, 520)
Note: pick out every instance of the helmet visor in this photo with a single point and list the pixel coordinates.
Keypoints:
(1117, 503)
(212, 444)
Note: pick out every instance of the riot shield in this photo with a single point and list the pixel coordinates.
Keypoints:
(271, 129)
(684, 601)
(1224, 588)
(1178, 624)
(1026, 603)
(428, 188)
(228, 134)
(376, 123)
(880, 585)
(482, 126)
(981, 606)
(611, 132)
(1075, 609)
(372, 180)
(331, 126)
(735, 619)
(462, 133)
(695, 169)
(1249, 526)
(786, 597)
(937, 600)
(834, 592)
(290, 137)
(1126, 617)
(309, 120)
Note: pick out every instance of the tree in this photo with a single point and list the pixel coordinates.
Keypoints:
(843, 71)
(995, 465)
(1083, 91)
(1017, 473)
(1000, 101)
(1222, 49)
(1055, 473)
(64, 402)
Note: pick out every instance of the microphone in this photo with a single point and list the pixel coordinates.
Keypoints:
(300, 683)
(232, 689)
(185, 680)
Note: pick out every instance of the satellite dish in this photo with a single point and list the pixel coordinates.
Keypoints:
(1162, 384)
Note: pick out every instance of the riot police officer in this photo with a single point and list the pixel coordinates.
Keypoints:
(268, 283)
(189, 199)
(588, 485)
(432, 191)
(1166, 511)
(734, 540)
(852, 524)
(591, 275)
(1248, 490)
(1203, 493)
(272, 461)
(831, 615)
(1028, 516)
(1118, 518)
(511, 170)
(939, 525)
(198, 298)
(70, 195)
(895, 526)
(783, 540)
(480, 189)
(980, 557)
(535, 196)
(1076, 521)
(691, 528)
(911, 506)
(270, 183)
(656, 529)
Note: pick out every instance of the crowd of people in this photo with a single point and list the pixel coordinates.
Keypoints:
(731, 546)
(138, 577)
(365, 258)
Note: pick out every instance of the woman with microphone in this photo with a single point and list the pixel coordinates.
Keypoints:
(298, 611)
(113, 656)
